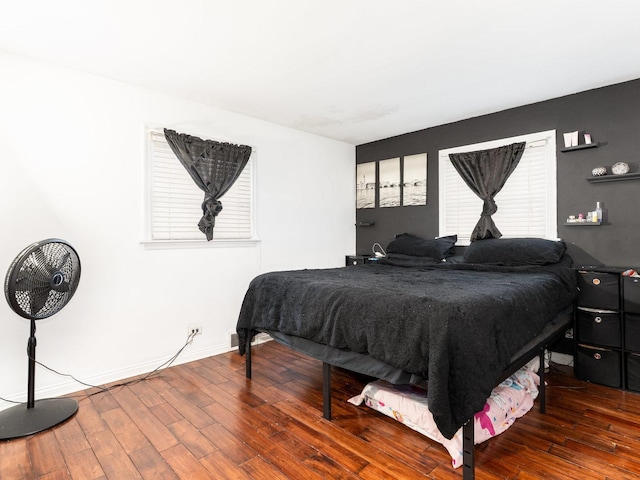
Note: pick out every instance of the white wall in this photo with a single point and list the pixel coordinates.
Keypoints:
(72, 152)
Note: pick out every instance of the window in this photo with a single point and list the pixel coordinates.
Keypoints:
(526, 203)
(174, 201)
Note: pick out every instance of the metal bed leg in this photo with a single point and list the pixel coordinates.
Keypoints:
(326, 390)
(247, 351)
(468, 447)
(542, 389)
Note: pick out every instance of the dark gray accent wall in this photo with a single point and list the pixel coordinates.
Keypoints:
(610, 114)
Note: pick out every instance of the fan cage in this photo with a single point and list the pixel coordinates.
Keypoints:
(42, 279)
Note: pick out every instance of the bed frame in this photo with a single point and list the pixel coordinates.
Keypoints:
(535, 348)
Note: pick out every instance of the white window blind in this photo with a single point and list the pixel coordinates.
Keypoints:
(175, 200)
(526, 203)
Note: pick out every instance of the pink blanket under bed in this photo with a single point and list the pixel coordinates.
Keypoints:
(408, 404)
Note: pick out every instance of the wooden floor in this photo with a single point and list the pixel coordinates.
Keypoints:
(205, 420)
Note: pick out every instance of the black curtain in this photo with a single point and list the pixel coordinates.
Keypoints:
(486, 171)
(213, 166)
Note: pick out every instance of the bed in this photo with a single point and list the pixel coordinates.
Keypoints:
(416, 316)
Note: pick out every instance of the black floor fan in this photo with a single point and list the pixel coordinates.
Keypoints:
(40, 281)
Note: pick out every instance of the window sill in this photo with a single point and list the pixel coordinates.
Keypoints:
(215, 243)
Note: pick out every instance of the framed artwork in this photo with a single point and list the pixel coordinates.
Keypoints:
(415, 180)
(389, 184)
(395, 188)
(366, 185)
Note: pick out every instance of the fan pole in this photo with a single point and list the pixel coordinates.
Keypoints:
(31, 378)
(34, 416)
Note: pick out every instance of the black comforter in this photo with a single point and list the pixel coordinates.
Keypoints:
(457, 325)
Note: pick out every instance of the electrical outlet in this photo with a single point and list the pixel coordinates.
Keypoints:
(195, 329)
(234, 340)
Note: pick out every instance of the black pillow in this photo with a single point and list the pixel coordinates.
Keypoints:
(400, 260)
(408, 244)
(515, 251)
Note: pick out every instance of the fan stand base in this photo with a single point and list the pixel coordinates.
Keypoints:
(20, 421)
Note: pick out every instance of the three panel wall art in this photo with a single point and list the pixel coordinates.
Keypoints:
(395, 182)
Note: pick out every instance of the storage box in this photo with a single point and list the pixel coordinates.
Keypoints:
(599, 327)
(632, 332)
(599, 290)
(599, 365)
(631, 287)
(633, 372)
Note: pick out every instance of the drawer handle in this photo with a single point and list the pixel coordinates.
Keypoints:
(598, 319)
(596, 281)
(597, 356)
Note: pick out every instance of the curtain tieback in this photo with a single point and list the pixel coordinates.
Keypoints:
(210, 210)
(489, 207)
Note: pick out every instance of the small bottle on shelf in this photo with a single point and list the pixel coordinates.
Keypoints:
(598, 213)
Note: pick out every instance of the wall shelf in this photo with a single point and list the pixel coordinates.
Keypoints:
(583, 224)
(614, 178)
(580, 147)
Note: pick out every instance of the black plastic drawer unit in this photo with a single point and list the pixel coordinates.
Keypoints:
(598, 290)
(599, 365)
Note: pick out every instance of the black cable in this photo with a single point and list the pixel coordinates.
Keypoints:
(9, 401)
(148, 375)
(123, 384)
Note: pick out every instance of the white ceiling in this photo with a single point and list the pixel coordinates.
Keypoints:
(352, 70)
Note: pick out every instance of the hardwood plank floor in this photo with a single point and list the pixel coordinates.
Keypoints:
(204, 420)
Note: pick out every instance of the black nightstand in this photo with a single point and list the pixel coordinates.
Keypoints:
(351, 260)
(608, 328)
